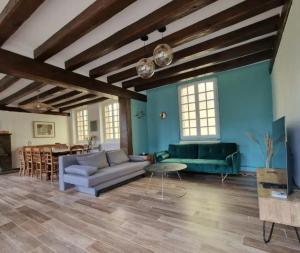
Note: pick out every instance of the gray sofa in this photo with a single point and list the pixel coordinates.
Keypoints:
(90, 173)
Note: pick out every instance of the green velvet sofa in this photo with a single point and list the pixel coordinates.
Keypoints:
(223, 158)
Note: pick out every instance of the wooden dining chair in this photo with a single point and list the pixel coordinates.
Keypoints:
(21, 160)
(77, 149)
(28, 161)
(39, 163)
(51, 163)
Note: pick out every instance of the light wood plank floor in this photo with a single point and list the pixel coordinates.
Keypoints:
(211, 218)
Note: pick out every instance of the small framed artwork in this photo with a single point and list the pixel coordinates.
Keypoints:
(93, 126)
(42, 129)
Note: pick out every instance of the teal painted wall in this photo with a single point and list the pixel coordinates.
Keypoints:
(139, 127)
(245, 102)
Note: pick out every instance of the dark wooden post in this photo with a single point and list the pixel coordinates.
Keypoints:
(125, 125)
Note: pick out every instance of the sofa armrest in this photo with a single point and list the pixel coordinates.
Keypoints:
(234, 160)
(137, 158)
(162, 155)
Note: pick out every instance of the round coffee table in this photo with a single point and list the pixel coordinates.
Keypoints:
(164, 169)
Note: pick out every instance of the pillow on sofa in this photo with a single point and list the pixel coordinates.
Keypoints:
(137, 158)
(97, 160)
(115, 157)
(82, 170)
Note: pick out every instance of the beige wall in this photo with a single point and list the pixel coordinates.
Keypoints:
(286, 83)
(21, 127)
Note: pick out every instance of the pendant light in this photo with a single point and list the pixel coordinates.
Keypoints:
(37, 106)
(163, 54)
(145, 67)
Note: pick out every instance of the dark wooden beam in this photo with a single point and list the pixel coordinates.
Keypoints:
(229, 54)
(22, 93)
(263, 27)
(284, 17)
(7, 81)
(62, 97)
(72, 101)
(16, 109)
(21, 66)
(170, 12)
(15, 13)
(236, 63)
(43, 95)
(125, 125)
(226, 18)
(94, 101)
(95, 15)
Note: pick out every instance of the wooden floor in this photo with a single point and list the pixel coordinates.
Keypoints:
(210, 218)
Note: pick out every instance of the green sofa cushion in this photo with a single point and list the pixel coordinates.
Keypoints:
(217, 151)
(183, 151)
(196, 161)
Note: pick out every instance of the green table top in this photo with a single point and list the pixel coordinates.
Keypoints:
(165, 167)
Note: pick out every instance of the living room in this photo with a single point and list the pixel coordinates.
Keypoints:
(149, 126)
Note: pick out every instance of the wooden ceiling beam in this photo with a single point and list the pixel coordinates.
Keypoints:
(97, 100)
(25, 67)
(17, 109)
(62, 97)
(22, 93)
(93, 16)
(226, 18)
(260, 28)
(14, 14)
(43, 95)
(168, 13)
(229, 54)
(7, 81)
(283, 19)
(236, 63)
(72, 101)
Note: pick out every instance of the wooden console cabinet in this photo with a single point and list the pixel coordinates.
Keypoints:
(5, 153)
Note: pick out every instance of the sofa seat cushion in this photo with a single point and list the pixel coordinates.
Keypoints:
(106, 174)
(97, 160)
(197, 161)
(116, 157)
(82, 170)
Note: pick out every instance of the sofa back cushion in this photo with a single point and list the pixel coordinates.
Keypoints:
(97, 160)
(115, 157)
(183, 151)
(217, 151)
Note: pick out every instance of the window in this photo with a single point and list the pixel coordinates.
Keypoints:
(199, 110)
(111, 121)
(82, 125)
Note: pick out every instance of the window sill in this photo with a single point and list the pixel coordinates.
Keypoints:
(200, 141)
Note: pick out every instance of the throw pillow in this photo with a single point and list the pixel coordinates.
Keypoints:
(115, 157)
(97, 160)
(81, 170)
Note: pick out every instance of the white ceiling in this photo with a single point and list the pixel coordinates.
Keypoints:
(54, 14)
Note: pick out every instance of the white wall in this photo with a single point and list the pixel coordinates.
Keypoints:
(286, 83)
(21, 127)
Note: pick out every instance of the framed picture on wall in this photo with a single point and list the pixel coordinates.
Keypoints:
(42, 129)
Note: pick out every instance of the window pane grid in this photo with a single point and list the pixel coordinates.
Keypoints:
(198, 116)
(82, 125)
(111, 121)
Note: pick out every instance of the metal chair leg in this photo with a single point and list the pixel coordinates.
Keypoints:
(271, 232)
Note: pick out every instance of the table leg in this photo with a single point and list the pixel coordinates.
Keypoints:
(271, 232)
(162, 185)
(297, 233)
(149, 182)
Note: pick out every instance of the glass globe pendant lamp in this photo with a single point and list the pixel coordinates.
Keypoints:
(145, 68)
(163, 55)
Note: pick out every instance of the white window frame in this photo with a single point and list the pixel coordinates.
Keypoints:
(76, 125)
(198, 137)
(114, 140)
